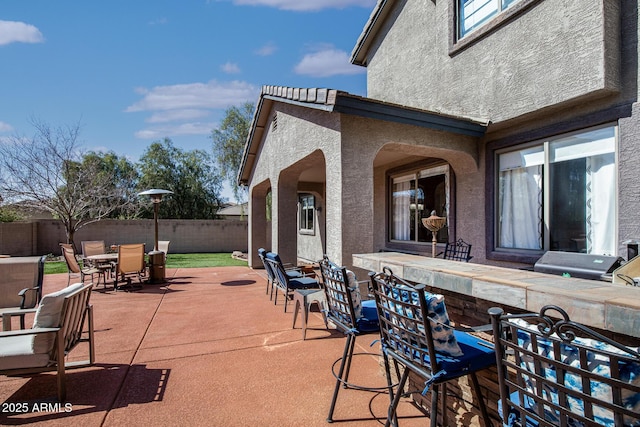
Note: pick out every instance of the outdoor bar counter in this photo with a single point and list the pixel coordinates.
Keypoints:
(599, 304)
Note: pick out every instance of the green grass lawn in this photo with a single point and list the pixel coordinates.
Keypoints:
(173, 261)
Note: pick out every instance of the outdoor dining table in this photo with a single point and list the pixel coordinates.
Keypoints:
(103, 257)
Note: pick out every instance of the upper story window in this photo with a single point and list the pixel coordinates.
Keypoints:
(559, 194)
(306, 214)
(414, 195)
(475, 13)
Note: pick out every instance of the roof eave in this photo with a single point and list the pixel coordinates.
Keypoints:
(359, 55)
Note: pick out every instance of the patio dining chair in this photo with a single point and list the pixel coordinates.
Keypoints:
(58, 327)
(20, 286)
(96, 247)
(287, 284)
(553, 371)
(163, 246)
(457, 251)
(130, 263)
(73, 266)
(271, 277)
(351, 316)
(416, 334)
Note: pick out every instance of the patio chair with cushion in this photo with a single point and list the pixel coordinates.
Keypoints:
(20, 285)
(553, 371)
(57, 329)
(130, 263)
(284, 281)
(416, 334)
(291, 272)
(351, 316)
(74, 268)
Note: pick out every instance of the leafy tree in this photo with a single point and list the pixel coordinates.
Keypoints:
(47, 172)
(190, 175)
(228, 144)
(124, 182)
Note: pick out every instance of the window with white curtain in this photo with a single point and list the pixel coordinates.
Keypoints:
(475, 13)
(306, 214)
(414, 195)
(559, 194)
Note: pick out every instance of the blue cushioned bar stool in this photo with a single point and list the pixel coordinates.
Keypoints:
(416, 334)
(350, 316)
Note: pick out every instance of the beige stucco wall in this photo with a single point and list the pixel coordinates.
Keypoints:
(187, 236)
(556, 52)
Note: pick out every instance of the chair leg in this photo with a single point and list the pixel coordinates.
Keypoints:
(62, 384)
(483, 407)
(434, 405)
(339, 380)
(391, 415)
(349, 358)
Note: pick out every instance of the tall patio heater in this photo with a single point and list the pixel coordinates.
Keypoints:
(156, 257)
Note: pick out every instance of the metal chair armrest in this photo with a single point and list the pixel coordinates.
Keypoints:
(23, 295)
(21, 332)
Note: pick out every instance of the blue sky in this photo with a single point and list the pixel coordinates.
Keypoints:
(133, 72)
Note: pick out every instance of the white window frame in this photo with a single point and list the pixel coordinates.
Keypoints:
(415, 174)
(304, 210)
(479, 13)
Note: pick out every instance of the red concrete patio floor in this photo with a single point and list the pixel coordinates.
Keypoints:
(207, 348)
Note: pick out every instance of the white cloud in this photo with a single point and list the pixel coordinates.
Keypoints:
(19, 32)
(230, 68)
(196, 128)
(5, 127)
(177, 107)
(194, 95)
(267, 50)
(177, 115)
(327, 62)
(307, 5)
(159, 21)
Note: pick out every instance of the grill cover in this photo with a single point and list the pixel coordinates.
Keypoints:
(585, 266)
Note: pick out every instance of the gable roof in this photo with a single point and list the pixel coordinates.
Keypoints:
(371, 28)
(335, 101)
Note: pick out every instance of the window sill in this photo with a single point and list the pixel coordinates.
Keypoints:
(458, 45)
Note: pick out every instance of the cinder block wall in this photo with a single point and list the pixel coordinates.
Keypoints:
(187, 236)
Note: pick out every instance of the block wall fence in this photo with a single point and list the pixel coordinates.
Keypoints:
(42, 237)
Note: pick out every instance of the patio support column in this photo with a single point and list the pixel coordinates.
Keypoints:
(257, 230)
(349, 205)
(284, 212)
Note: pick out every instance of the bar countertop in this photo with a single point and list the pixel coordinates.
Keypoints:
(599, 304)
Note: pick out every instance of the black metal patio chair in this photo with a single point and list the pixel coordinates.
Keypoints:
(416, 334)
(284, 282)
(553, 371)
(351, 316)
(457, 251)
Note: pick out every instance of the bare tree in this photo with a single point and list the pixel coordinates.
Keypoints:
(48, 172)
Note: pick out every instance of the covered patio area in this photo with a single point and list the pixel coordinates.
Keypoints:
(206, 348)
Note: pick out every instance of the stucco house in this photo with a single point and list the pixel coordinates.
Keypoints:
(517, 120)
